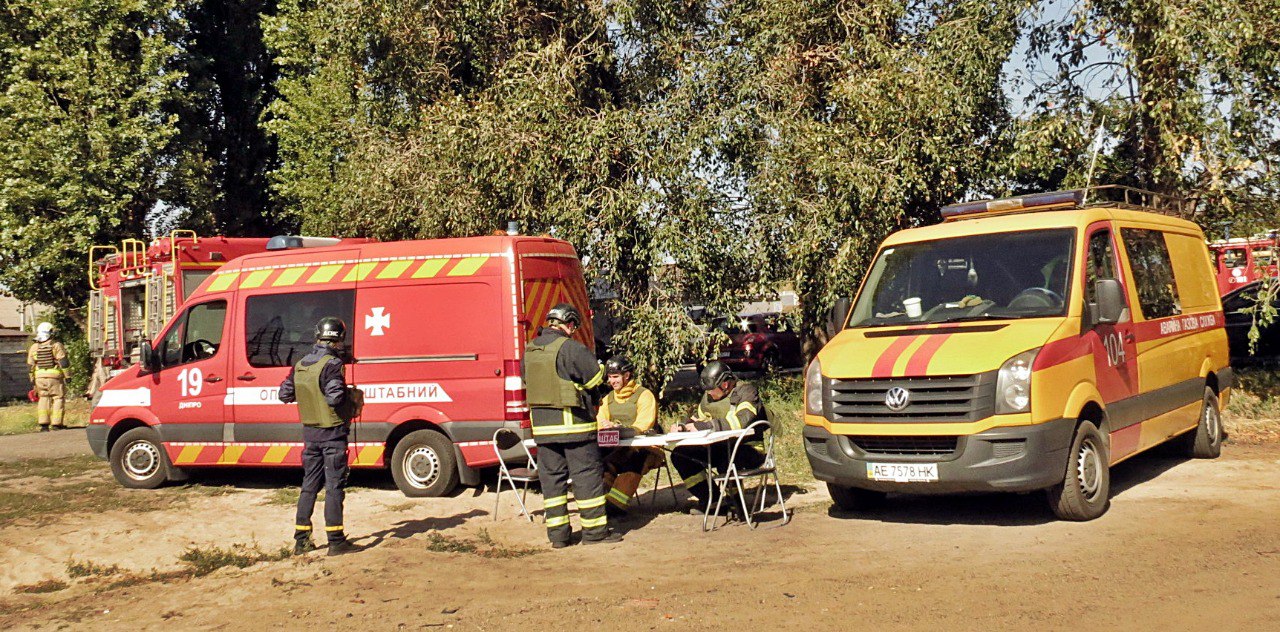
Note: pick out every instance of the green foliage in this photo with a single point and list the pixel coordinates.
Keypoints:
(204, 561)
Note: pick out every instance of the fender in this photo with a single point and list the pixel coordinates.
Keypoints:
(133, 412)
(419, 411)
(1081, 394)
(1206, 368)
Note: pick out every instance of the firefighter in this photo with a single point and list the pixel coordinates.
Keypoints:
(634, 410)
(47, 359)
(727, 404)
(559, 374)
(316, 383)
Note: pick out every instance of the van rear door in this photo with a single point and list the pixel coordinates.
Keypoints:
(548, 277)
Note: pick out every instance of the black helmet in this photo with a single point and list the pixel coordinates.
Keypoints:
(619, 364)
(564, 313)
(715, 374)
(331, 329)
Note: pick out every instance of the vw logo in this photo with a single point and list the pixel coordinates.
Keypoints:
(897, 398)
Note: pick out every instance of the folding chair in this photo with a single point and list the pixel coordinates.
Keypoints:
(657, 482)
(763, 472)
(505, 439)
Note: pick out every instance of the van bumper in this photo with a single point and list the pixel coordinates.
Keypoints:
(97, 434)
(1011, 459)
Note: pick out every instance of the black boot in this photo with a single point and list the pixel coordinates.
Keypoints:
(610, 537)
(342, 547)
(302, 547)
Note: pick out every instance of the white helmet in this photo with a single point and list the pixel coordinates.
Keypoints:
(44, 331)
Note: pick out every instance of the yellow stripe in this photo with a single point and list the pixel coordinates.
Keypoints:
(557, 521)
(337, 528)
(588, 523)
(369, 455)
(299, 527)
(360, 271)
(619, 497)
(48, 372)
(289, 276)
(590, 503)
(429, 268)
(255, 279)
(695, 479)
(231, 455)
(557, 501)
(223, 281)
(546, 431)
(189, 454)
(394, 269)
(468, 266)
(275, 454)
(324, 273)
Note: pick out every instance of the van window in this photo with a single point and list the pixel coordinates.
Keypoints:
(195, 335)
(1024, 274)
(1197, 287)
(1234, 257)
(281, 328)
(1101, 263)
(1152, 271)
(191, 279)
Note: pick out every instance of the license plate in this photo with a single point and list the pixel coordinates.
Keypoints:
(903, 472)
(608, 438)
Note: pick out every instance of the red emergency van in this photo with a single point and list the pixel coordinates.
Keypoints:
(436, 331)
(1238, 261)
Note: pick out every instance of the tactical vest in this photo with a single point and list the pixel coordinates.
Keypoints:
(718, 409)
(544, 387)
(312, 407)
(46, 361)
(624, 412)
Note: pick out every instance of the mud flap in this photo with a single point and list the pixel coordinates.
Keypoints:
(467, 475)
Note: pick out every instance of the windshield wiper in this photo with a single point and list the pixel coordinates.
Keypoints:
(961, 319)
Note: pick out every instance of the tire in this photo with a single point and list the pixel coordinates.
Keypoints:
(1085, 490)
(1205, 442)
(138, 459)
(855, 499)
(424, 465)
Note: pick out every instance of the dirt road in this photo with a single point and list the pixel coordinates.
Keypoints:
(1186, 545)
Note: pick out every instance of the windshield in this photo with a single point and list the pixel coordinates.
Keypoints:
(999, 276)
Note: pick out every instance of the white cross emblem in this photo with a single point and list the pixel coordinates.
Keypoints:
(377, 321)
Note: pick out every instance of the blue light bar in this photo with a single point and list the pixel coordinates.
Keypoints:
(1026, 202)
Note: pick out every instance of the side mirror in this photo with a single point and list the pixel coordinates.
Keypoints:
(1110, 306)
(147, 357)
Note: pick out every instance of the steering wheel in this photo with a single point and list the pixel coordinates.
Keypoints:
(1037, 294)
(201, 349)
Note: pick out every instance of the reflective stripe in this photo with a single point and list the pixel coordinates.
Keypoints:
(596, 380)
(590, 503)
(695, 479)
(302, 528)
(588, 523)
(619, 497)
(566, 426)
(557, 501)
(48, 372)
(337, 528)
(734, 420)
(557, 521)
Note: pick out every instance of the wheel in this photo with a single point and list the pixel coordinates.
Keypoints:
(1085, 490)
(423, 464)
(770, 364)
(854, 498)
(138, 459)
(1205, 442)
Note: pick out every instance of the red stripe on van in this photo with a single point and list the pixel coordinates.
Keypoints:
(919, 362)
(1125, 441)
(884, 364)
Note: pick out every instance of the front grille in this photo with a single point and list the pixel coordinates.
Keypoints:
(817, 447)
(906, 446)
(933, 399)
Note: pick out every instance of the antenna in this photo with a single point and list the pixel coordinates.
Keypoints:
(1097, 146)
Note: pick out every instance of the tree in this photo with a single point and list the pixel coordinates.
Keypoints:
(89, 91)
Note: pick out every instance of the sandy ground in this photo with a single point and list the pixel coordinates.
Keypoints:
(1186, 544)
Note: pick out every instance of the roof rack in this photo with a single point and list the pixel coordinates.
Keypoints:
(1107, 195)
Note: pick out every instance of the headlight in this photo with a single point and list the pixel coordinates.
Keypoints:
(1013, 385)
(813, 388)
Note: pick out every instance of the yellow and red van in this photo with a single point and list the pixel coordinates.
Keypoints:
(436, 330)
(1022, 344)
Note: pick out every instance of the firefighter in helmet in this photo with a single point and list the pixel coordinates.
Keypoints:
(559, 375)
(726, 404)
(632, 409)
(47, 360)
(326, 407)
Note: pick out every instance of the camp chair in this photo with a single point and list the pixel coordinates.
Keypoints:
(505, 439)
(737, 477)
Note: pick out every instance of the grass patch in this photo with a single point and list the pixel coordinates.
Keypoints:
(482, 545)
(1253, 414)
(52, 468)
(287, 496)
(19, 417)
(46, 586)
(92, 569)
(201, 562)
(82, 497)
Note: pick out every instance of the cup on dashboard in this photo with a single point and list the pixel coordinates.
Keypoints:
(913, 306)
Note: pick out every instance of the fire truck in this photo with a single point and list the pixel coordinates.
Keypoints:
(1240, 261)
(436, 335)
(135, 287)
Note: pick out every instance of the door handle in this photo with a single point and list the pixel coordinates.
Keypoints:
(247, 377)
(213, 379)
(1128, 336)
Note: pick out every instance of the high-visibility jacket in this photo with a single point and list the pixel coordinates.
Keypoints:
(554, 364)
(739, 409)
(632, 406)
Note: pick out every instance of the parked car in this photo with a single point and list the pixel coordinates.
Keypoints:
(760, 342)
(1239, 322)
